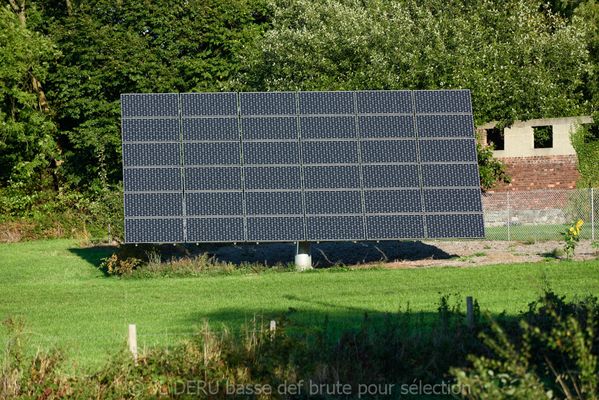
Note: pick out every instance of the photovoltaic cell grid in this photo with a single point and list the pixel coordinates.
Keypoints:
(287, 166)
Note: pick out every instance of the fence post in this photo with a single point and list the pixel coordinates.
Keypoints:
(469, 312)
(133, 341)
(509, 217)
(593, 214)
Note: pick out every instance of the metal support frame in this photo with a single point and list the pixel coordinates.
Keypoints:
(303, 258)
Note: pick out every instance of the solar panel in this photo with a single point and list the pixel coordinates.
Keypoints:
(210, 129)
(389, 151)
(226, 229)
(391, 176)
(452, 125)
(213, 203)
(268, 103)
(384, 102)
(156, 129)
(454, 150)
(213, 178)
(265, 128)
(331, 177)
(145, 230)
(275, 229)
(322, 127)
(450, 181)
(330, 152)
(334, 202)
(385, 126)
(395, 226)
(153, 204)
(274, 203)
(271, 178)
(151, 154)
(257, 153)
(392, 201)
(305, 166)
(326, 103)
(335, 227)
(208, 104)
(152, 175)
(150, 105)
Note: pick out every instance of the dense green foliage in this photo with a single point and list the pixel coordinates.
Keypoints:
(65, 64)
(27, 134)
(519, 60)
(490, 169)
(553, 354)
(587, 147)
(112, 47)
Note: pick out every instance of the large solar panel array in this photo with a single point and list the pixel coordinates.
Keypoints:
(300, 166)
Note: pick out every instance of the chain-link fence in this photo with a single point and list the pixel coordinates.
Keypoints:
(540, 214)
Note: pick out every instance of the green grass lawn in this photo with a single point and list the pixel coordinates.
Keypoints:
(67, 302)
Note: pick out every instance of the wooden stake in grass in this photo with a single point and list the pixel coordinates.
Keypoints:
(469, 312)
(133, 341)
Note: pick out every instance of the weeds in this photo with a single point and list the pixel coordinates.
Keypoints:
(556, 253)
(29, 377)
(115, 265)
(147, 262)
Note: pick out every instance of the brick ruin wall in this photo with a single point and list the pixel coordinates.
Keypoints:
(540, 172)
(538, 191)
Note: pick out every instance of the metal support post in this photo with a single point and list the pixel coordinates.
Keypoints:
(509, 218)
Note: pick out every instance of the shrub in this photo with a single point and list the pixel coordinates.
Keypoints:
(115, 265)
(65, 214)
(553, 350)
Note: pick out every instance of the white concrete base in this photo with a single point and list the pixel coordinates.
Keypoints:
(303, 262)
(303, 258)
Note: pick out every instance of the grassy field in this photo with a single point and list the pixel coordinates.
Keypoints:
(56, 287)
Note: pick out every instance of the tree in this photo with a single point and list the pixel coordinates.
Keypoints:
(28, 151)
(491, 170)
(519, 60)
(111, 47)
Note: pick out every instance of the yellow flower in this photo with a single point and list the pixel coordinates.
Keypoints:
(572, 230)
(579, 224)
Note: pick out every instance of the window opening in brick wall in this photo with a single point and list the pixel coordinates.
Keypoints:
(496, 138)
(543, 136)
